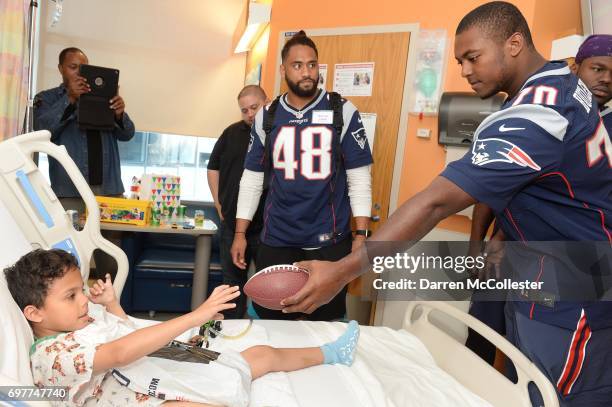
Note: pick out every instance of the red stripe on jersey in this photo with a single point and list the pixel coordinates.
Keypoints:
(514, 224)
(567, 184)
(537, 280)
(571, 194)
(569, 362)
(581, 357)
(603, 225)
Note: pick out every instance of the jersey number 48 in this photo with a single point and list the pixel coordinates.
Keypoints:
(283, 152)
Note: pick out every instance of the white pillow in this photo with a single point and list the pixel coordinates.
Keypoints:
(15, 340)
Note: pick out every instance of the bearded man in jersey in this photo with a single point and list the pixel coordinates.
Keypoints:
(318, 174)
(543, 163)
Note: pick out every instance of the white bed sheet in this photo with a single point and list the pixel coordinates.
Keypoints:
(392, 369)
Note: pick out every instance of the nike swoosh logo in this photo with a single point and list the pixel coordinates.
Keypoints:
(503, 128)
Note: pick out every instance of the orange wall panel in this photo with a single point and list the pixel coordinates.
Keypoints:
(433, 14)
(548, 25)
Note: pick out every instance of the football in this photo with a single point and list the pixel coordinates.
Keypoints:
(272, 284)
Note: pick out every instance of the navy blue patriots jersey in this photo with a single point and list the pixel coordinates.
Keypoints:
(307, 203)
(544, 165)
(606, 116)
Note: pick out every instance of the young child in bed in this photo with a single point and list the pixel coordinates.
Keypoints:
(78, 344)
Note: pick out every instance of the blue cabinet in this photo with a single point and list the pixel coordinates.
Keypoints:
(161, 268)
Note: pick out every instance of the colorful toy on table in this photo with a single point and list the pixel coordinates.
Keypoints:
(163, 191)
(120, 210)
(135, 188)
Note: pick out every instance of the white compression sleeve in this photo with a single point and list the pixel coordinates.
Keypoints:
(251, 187)
(360, 190)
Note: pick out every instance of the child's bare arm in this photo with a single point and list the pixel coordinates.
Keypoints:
(101, 292)
(132, 347)
(116, 309)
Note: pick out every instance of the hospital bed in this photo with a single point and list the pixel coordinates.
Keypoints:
(418, 365)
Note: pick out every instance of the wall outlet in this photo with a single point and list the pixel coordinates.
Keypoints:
(423, 133)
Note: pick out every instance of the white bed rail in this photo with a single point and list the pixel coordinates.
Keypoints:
(469, 369)
(37, 210)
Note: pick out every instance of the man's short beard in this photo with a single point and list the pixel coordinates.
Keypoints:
(295, 88)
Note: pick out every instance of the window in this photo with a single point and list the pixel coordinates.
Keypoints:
(186, 156)
(160, 153)
(132, 152)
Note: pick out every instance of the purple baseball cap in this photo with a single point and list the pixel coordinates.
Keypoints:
(598, 45)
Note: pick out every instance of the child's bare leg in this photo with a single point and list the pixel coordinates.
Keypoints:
(266, 359)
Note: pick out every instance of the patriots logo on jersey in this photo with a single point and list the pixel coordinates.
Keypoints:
(497, 150)
(360, 137)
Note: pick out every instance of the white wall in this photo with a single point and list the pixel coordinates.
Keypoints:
(177, 71)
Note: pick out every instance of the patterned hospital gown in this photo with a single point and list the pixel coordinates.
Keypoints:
(67, 360)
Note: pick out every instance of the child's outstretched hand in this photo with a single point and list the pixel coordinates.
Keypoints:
(217, 302)
(102, 292)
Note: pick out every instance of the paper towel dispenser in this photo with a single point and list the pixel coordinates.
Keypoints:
(461, 113)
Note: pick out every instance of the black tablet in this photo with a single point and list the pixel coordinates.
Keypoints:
(93, 108)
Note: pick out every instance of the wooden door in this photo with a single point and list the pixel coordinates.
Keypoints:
(389, 52)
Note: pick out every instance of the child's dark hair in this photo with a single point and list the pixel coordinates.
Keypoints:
(28, 280)
(299, 38)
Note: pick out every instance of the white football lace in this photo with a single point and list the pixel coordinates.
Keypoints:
(278, 267)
